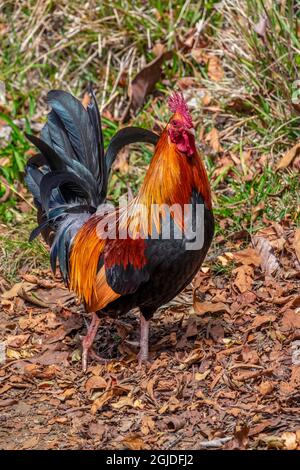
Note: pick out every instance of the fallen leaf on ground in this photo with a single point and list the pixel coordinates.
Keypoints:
(272, 442)
(133, 443)
(269, 262)
(296, 243)
(293, 384)
(68, 393)
(215, 70)
(290, 440)
(97, 429)
(192, 358)
(262, 320)
(144, 82)
(95, 382)
(247, 257)
(244, 278)
(16, 341)
(121, 163)
(30, 443)
(241, 435)
(73, 323)
(8, 402)
(41, 372)
(17, 289)
(52, 357)
(201, 376)
(203, 307)
(288, 157)
(265, 388)
(291, 320)
(213, 139)
(101, 401)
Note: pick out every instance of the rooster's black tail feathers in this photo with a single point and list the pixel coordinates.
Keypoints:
(69, 178)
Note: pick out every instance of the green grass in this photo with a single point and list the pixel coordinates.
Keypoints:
(45, 48)
(16, 253)
(264, 59)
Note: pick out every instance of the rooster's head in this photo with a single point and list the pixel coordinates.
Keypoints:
(180, 128)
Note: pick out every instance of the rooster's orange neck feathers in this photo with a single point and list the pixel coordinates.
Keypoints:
(172, 177)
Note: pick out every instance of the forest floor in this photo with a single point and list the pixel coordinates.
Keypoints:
(223, 373)
(224, 368)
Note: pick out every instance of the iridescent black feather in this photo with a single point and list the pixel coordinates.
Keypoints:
(69, 178)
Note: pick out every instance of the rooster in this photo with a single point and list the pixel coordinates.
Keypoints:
(112, 273)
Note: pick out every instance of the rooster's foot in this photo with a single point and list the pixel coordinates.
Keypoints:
(89, 353)
(87, 342)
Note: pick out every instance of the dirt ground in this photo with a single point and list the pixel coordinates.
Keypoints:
(224, 369)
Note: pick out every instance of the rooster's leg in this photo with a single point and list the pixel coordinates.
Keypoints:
(88, 340)
(144, 340)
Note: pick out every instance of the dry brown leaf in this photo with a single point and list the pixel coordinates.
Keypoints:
(212, 137)
(200, 56)
(192, 358)
(148, 425)
(30, 443)
(247, 256)
(262, 320)
(16, 341)
(265, 388)
(172, 405)
(71, 324)
(272, 442)
(241, 435)
(52, 357)
(296, 243)
(202, 376)
(123, 402)
(121, 163)
(5, 389)
(41, 372)
(94, 383)
(107, 396)
(244, 278)
(17, 289)
(150, 390)
(191, 329)
(263, 425)
(97, 429)
(291, 320)
(288, 157)
(101, 401)
(68, 393)
(201, 308)
(257, 210)
(158, 49)
(133, 443)
(290, 440)
(144, 82)
(287, 388)
(8, 402)
(269, 262)
(13, 354)
(215, 70)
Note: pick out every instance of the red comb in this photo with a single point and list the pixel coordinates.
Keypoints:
(177, 104)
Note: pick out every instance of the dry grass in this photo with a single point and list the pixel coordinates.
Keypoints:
(50, 44)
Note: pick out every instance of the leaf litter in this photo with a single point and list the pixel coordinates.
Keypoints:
(228, 368)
